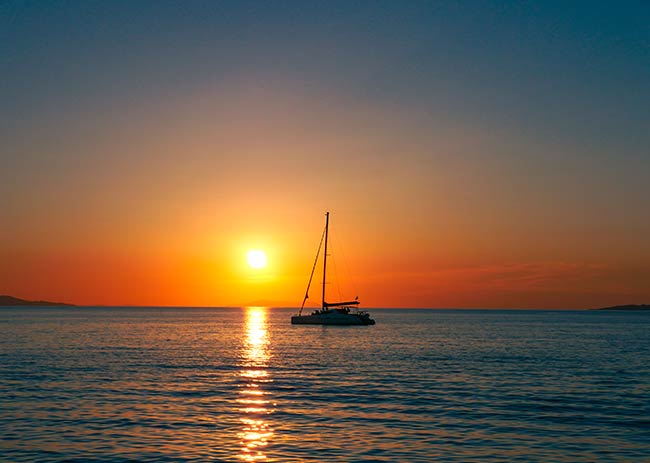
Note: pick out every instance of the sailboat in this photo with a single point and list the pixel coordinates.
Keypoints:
(330, 313)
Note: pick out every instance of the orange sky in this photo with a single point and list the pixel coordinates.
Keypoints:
(140, 164)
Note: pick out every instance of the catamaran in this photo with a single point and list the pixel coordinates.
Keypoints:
(330, 313)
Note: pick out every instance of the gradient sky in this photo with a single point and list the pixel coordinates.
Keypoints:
(472, 154)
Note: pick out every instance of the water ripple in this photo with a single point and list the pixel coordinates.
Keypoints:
(170, 385)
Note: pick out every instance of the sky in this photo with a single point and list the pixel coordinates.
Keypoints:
(472, 154)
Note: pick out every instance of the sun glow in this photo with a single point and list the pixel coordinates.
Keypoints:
(256, 258)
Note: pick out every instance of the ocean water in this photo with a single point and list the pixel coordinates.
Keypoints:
(174, 385)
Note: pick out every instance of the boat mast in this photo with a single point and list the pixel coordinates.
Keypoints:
(327, 221)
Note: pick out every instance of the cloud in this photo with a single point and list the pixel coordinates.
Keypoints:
(527, 284)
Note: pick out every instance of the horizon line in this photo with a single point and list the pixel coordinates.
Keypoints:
(135, 306)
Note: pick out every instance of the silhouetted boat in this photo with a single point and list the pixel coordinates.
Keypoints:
(330, 313)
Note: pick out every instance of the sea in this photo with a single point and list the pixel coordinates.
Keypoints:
(242, 384)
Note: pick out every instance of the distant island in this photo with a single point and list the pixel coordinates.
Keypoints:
(10, 301)
(627, 307)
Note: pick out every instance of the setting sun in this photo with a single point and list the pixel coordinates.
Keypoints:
(256, 258)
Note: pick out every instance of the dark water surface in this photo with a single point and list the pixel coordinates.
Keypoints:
(172, 385)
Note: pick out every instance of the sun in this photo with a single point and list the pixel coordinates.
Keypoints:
(256, 258)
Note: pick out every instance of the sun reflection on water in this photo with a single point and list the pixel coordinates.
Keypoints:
(254, 399)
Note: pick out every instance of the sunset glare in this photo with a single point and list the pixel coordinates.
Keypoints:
(256, 258)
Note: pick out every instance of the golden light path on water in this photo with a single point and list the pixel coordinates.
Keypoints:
(254, 400)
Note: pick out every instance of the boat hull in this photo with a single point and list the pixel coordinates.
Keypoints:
(331, 319)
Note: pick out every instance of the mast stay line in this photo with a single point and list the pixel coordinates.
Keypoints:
(313, 269)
